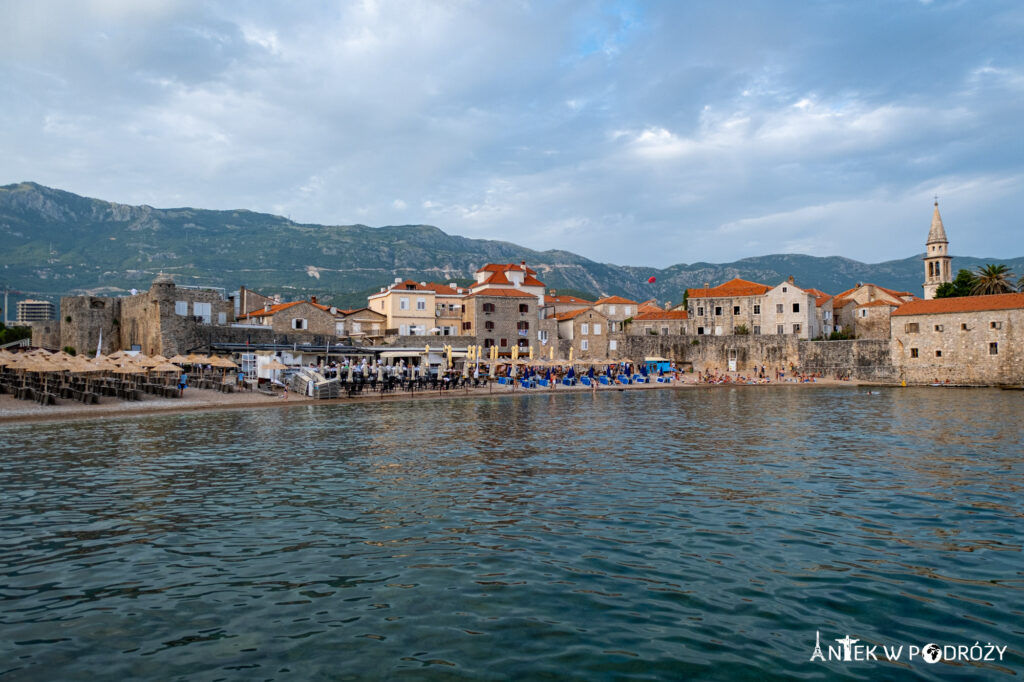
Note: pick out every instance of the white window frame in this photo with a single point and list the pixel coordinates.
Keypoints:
(181, 308)
(222, 318)
(613, 344)
(403, 302)
(584, 328)
(597, 329)
(203, 310)
(421, 303)
(584, 345)
(300, 323)
(611, 310)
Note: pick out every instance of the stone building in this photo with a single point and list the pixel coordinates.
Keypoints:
(722, 309)
(503, 318)
(863, 311)
(586, 330)
(938, 268)
(302, 316)
(509, 276)
(415, 308)
(976, 340)
(554, 304)
(362, 325)
(165, 320)
(789, 309)
(617, 309)
(823, 311)
(659, 322)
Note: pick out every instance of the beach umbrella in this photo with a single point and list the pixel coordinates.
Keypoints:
(164, 368)
(179, 360)
(274, 364)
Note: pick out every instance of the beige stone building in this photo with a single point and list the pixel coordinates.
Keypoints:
(303, 316)
(823, 312)
(720, 310)
(863, 311)
(659, 323)
(415, 308)
(587, 332)
(789, 309)
(975, 340)
(617, 309)
(502, 318)
(362, 325)
(509, 276)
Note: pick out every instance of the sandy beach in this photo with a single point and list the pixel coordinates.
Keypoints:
(17, 411)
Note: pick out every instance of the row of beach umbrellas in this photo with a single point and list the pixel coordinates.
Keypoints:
(41, 361)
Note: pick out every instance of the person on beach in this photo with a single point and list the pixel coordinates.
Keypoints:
(182, 382)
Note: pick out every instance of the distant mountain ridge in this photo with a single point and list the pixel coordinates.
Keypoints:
(57, 243)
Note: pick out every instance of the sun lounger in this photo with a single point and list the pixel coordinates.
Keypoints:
(543, 383)
(585, 381)
(605, 381)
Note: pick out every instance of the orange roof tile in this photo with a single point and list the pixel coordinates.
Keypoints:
(648, 308)
(962, 304)
(663, 315)
(820, 297)
(878, 303)
(274, 309)
(509, 293)
(562, 317)
(734, 287)
(503, 267)
(553, 300)
(615, 300)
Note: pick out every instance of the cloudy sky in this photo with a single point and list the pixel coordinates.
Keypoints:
(644, 133)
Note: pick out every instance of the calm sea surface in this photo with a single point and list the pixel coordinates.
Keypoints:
(629, 535)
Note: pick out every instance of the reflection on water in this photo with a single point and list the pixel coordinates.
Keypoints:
(647, 535)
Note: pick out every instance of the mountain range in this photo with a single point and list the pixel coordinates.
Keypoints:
(57, 243)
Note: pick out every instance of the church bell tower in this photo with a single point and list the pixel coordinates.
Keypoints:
(938, 267)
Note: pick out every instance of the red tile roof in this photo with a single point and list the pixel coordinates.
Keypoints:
(962, 304)
(615, 300)
(734, 287)
(562, 317)
(663, 315)
(555, 300)
(497, 274)
(509, 293)
(820, 297)
(274, 309)
(648, 308)
(878, 303)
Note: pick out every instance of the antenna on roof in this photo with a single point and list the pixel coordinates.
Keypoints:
(936, 199)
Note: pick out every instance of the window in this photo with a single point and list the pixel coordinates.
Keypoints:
(357, 327)
(466, 326)
(913, 352)
(996, 325)
(613, 326)
(911, 327)
(403, 303)
(202, 310)
(627, 310)
(299, 323)
(780, 329)
(488, 326)
(488, 343)
(757, 308)
(938, 327)
(778, 308)
(584, 345)
(611, 310)
(523, 326)
(718, 310)
(796, 329)
(863, 312)
(542, 335)
(785, 289)
(181, 307)
(664, 331)
(993, 348)
(222, 318)
(963, 326)
(735, 310)
(524, 307)
(757, 330)
(700, 330)
(504, 342)
(339, 329)
(938, 353)
(584, 329)
(403, 330)
(597, 329)
(488, 307)
(700, 311)
(796, 307)
(613, 345)
(828, 315)
(421, 303)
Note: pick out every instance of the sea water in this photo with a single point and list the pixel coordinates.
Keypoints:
(716, 533)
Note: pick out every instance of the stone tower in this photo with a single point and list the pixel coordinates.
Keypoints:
(937, 262)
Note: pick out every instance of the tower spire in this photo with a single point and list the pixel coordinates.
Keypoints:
(937, 233)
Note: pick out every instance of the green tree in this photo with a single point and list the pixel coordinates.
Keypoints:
(992, 279)
(961, 286)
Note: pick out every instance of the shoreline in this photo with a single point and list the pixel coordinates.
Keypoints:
(14, 411)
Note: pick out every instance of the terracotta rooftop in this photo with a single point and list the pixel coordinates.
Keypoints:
(878, 303)
(820, 297)
(554, 300)
(663, 315)
(562, 317)
(734, 287)
(274, 309)
(962, 304)
(509, 293)
(615, 300)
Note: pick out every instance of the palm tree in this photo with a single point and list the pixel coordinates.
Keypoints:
(992, 279)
